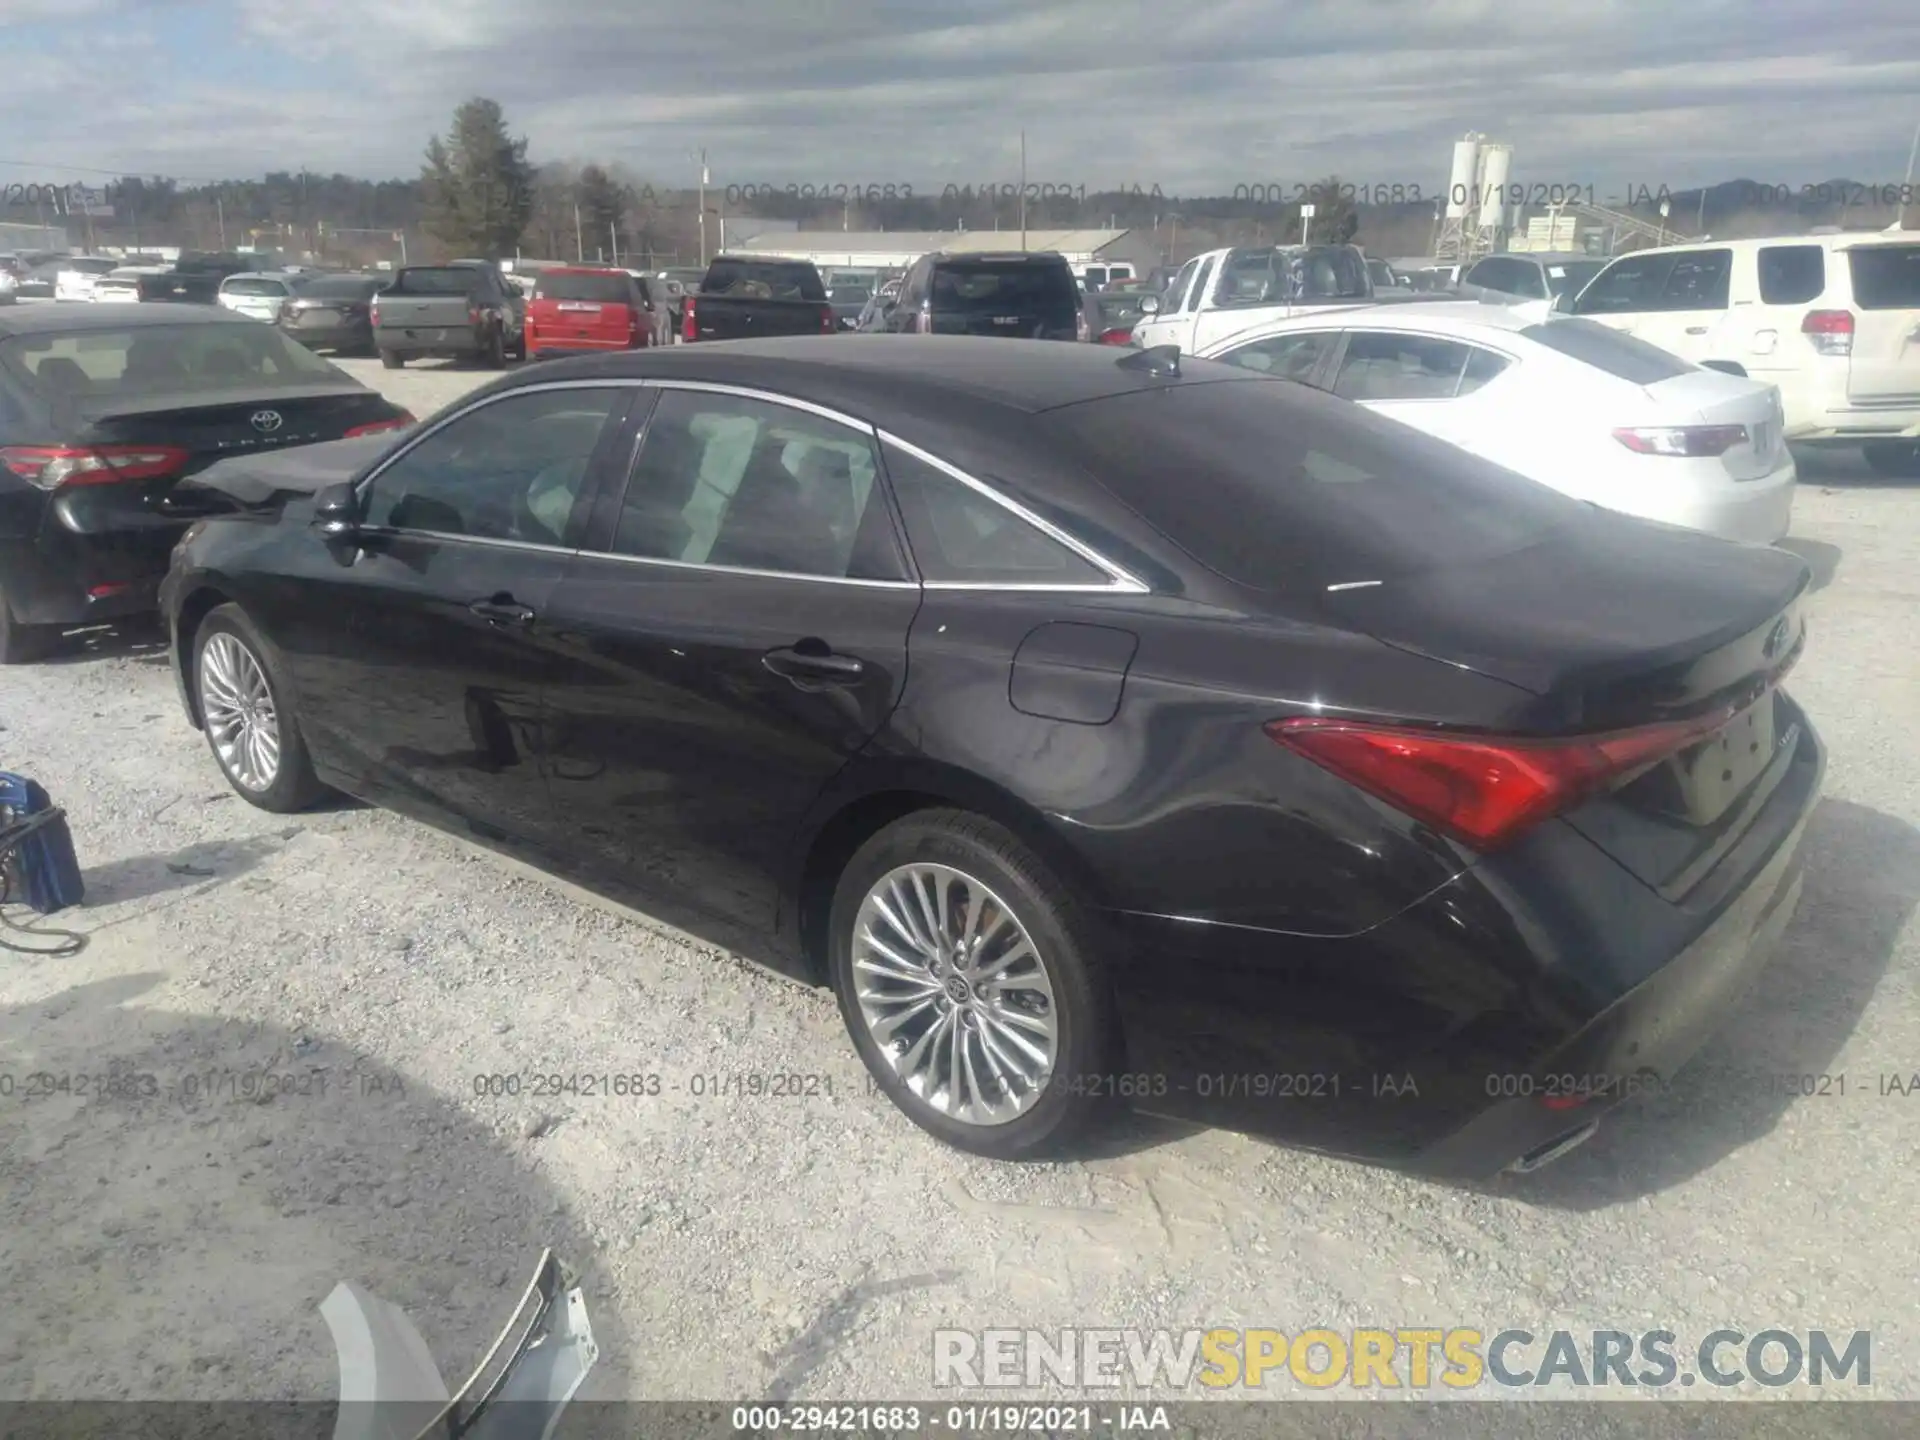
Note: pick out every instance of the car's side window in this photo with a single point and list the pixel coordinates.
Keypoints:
(510, 470)
(1791, 274)
(1383, 365)
(747, 484)
(1200, 285)
(1291, 357)
(1177, 291)
(960, 536)
(1700, 280)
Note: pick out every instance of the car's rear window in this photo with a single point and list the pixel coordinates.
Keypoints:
(597, 289)
(1605, 348)
(763, 280)
(90, 267)
(1886, 277)
(339, 287)
(253, 287)
(162, 360)
(436, 280)
(1280, 487)
(981, 287)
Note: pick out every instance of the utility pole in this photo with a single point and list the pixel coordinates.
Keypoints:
(1700, 221)
(1023, 189)
(703, 207)
(613, 241)
(220, 210)
(579, 240)
(1906, 192)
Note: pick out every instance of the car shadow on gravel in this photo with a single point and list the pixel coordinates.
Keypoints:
(178, 1214)
(142, 641)
(1782, 1038)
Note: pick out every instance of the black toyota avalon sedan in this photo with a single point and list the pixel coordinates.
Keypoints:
(104, 411)
(1102, 727)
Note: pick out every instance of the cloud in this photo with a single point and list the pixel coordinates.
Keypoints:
(1197, 97)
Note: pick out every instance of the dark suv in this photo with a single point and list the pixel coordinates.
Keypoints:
(1020, 294)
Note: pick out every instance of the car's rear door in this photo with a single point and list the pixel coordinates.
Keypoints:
(419, 650)
(733, 632)
(1427, 381)
(1884, 369)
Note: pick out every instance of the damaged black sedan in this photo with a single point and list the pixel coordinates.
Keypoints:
(1102, 728)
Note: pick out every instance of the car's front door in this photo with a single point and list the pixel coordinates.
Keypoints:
(1679, 300)
(733, 633)
(418, 647)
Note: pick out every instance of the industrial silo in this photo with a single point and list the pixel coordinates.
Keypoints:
(1496, 164)
(1460, 187)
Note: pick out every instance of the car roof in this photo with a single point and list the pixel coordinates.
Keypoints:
(911, 374)
(281, 275)
(1845, 240)
(1465, 315)
(582, 270)
(64, 319)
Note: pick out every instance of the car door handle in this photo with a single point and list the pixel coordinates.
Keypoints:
(793, 663)
(502, 610)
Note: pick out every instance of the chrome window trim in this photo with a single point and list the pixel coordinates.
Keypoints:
(705, 568)
(1123, 580)
(448, 537)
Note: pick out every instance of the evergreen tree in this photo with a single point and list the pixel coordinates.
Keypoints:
(477, 189)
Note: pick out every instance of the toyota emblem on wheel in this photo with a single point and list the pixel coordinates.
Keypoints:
(266, 421)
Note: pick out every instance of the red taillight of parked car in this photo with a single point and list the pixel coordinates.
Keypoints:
(1121, 336)
(1830, 331)
(689, 325)
(1483, 790)
(52, 467)
(381, 427)
(829, 322)
(1693, 442)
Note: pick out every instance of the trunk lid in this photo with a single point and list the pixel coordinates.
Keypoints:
(1885, 366)
(1710, 397)
(1615, 625)
(596, 323)
(423, 312)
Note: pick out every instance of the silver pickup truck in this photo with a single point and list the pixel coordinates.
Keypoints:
(462, 310)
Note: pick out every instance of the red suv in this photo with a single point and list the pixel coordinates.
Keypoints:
(583, 308)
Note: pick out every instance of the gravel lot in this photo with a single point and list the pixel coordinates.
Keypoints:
(178, 1247)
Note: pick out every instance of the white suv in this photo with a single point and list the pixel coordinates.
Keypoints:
(1833, 320)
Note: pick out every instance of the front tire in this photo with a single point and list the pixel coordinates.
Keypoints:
(969, 978)
(1899, 459)
(246, 712)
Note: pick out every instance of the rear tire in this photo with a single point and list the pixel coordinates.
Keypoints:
(24, 644)
(390, 360)
(932, 996)
(494, 357)
(1897, 458)
(246, 711)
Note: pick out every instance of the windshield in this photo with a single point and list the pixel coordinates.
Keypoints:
(164, 360)
(437, 280)
(1273, 275)
(986, 287)
(1285, 487)
(596, 289)
(1569, 277)
(764, 280)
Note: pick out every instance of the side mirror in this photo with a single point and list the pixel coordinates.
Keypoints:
(1149, 304)
(1726, 367)
(336, 511)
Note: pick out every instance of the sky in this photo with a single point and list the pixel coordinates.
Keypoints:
(1196, 96)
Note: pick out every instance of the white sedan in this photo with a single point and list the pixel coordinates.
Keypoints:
(1568, 402)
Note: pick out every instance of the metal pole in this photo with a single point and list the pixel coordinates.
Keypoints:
(1906, 192)
(703, 207)
(579, 240)
(1023, 189)
(613, 241)
(220, 210)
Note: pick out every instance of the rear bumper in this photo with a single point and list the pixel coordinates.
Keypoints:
(429, 341)
(82, 580)
(330, 337)
(1843, 424)
(542, 345)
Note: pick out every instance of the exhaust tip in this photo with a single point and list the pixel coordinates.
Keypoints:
(1546, 1154)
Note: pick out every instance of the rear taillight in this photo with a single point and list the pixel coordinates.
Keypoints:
(1483, 790)
(373, 310)
(1121, 336)
(923, 322)
(689, 326)
(829, 322)
(380, 427)
(1830, 331)
(475, 315)
(1694, 442)
(51, 467)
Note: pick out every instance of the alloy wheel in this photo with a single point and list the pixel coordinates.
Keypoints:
(238, 710)
(955, 994)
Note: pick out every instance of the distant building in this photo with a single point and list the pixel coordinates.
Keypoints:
(897, 249)
(31, 239)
